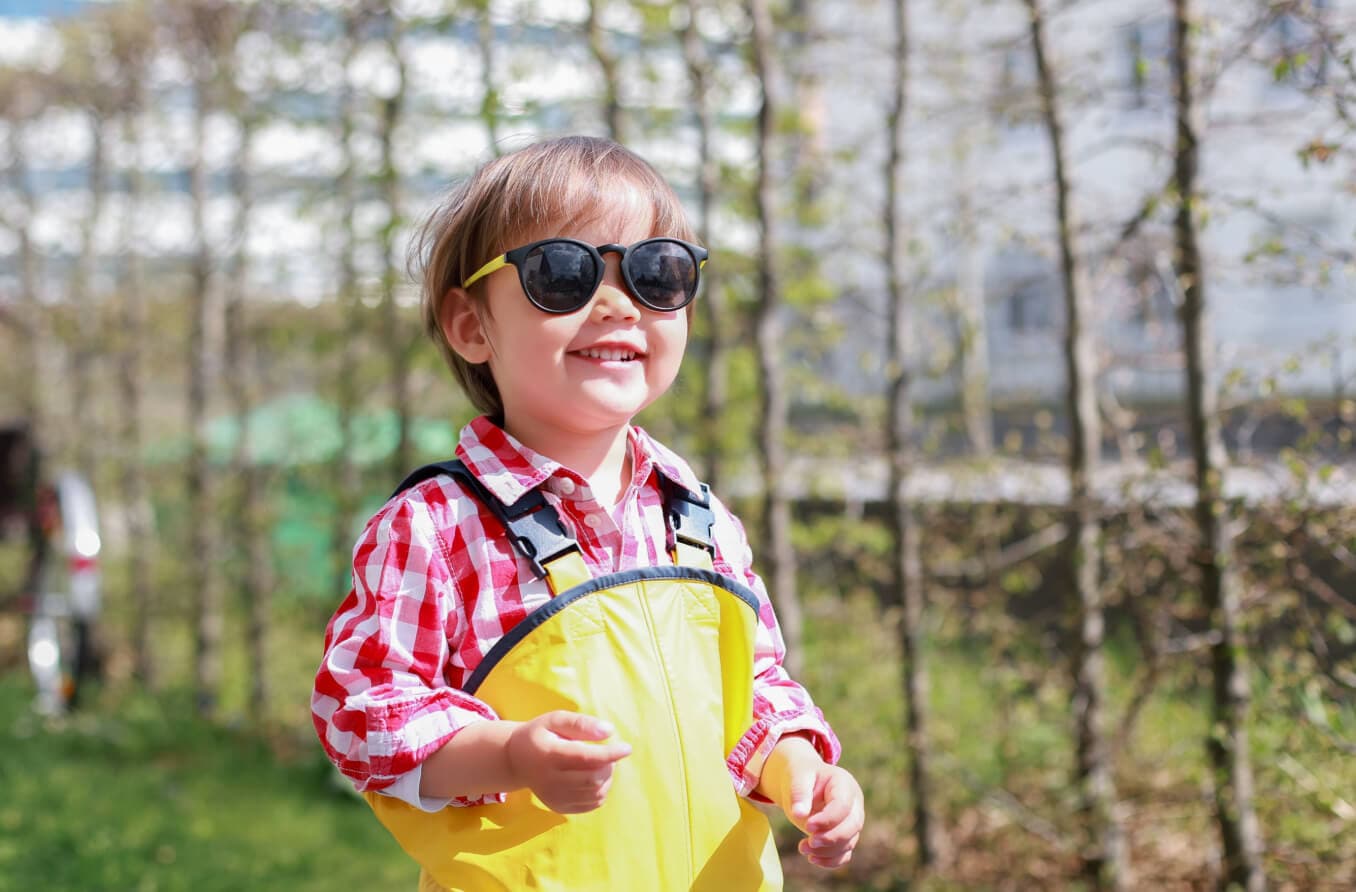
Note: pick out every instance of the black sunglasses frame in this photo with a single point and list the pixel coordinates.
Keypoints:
(518, 256)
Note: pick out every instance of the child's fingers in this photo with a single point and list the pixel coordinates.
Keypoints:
(831, 813)
(830, 845)
(577, 791)
(576, 725)
(573, 755)
(839, 807)
(828, 857)
(832, 863)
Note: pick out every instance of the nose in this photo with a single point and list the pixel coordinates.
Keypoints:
(613, 301)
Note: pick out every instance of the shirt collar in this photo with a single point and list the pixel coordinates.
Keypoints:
(509, 470)
(665, 460)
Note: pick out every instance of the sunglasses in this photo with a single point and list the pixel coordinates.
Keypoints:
(560, 275)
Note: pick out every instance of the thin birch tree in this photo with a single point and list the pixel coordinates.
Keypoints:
(716, 368)
(395, 335)
(131, 42)
(199, 27)
(972, 346)
(82, 86)
(1102, 853)
(240, 365)
(1227, 743)
(769, 341)
(489, 92)
(348, 299)
(600, 46)
(807, 99)
(21, 100)
(906, 565)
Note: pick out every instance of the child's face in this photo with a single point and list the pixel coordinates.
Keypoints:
(583, 373)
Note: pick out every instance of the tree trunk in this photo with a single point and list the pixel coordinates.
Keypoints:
(1228, 739)
(716, 382)
(907, 566)
(132, 486)
(972, 313)
(1102, 854)
(87, 334)
(29, 325)
(249, 532)
(607, 66)
(489, 97)
(768, 338)
(350, 308)
(807, 144)
(203, 582)
(398, 341)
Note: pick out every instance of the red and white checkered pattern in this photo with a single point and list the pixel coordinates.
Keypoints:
(433, 592)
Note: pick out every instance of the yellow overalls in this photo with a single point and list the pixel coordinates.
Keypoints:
(663, 653)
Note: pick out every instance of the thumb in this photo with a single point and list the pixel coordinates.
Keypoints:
(800, 797)
(577, 726)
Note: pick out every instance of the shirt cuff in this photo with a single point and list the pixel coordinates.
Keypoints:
(406, 789)
(750, 754)
(400, 738)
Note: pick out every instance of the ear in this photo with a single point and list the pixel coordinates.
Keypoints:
(463, 327)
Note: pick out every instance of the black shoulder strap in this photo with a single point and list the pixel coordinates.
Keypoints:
(533, 526)
(688, 515)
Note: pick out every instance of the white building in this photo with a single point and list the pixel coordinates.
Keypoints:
(1279, 235)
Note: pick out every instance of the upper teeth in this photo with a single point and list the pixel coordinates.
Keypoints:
(611, 354)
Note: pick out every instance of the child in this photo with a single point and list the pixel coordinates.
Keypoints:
(556, 668)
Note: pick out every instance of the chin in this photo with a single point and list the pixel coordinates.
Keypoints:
(613, 406)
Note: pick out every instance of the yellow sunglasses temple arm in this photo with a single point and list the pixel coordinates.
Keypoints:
(494, 265)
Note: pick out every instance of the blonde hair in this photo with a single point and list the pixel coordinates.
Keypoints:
(542, 188)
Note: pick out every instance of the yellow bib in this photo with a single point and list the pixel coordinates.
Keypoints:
(666, 655)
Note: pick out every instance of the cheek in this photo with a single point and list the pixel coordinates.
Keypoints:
(675, 332)
(674, 339)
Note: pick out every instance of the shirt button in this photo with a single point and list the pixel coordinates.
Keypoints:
(593, 521)
(564, 486)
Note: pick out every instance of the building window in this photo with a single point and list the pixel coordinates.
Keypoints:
(1030, 306)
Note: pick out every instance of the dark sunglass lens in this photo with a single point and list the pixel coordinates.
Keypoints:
(560, 277)
(664, 274)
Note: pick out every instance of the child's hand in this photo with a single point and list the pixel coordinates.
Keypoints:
(559, 758)
(822, 800)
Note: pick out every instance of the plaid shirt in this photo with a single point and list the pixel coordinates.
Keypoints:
(436, 584)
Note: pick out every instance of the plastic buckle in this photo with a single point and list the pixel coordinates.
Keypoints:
(689, 517)
(537, 531)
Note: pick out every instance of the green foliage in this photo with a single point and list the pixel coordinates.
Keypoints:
(182, 804)
(140, 796)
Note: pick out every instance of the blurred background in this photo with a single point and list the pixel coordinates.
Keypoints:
(1027, 353)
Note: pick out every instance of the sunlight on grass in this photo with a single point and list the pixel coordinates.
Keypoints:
(136, 794)
(143, 798)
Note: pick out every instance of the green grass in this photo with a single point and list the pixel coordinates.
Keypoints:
(134, 793)
(136, 796)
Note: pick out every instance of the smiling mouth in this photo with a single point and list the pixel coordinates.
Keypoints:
(608, 354)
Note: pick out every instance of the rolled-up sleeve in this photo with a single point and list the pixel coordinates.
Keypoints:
(381, 703)
(781, 705)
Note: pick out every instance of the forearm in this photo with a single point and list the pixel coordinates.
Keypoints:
(473, 763)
